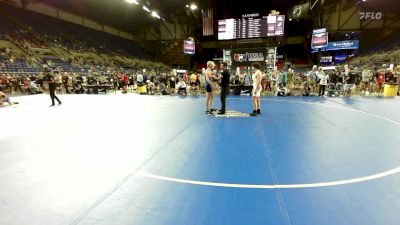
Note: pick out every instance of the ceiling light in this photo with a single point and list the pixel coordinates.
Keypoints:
(193, 6)
(154, 14)
(146, 9)
(132, 1)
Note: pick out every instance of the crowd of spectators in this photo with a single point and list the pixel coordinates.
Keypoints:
(332, 81)
(155, 83)
(285, 82)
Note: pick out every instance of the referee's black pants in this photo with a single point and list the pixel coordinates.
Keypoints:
(53, 96)
(224, 93)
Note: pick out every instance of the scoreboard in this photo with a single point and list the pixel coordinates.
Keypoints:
(319, 38)
(251, 27)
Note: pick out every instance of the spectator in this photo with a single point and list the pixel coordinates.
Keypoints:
(379, 79)
(247, 79)
(290, 74)
(139, 79)
(283, 78)
(323, 81)
(33, 88)
(171, 84)
(131, 82)
(8, 52)
(150, 87)
(145, 76)
(389, 77)
(181, 87)
(274, 80)
(124, 82)
(6, 83)
(349, 81)
(365, 78)
(186, 78)
(194, 84)
(65, 80)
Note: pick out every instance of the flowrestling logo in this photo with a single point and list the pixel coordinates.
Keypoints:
(249, 57)
(371, 15)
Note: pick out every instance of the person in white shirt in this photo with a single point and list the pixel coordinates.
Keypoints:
(150, 87)
(139, 78)
(323, 81)
(366, 76)
(181, 87)
(33, 88)
(274, 80)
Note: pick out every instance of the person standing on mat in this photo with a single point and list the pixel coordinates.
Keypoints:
(323, 81)
(224, 87)
(210, 87)
(256, 92)
(349, 82)
(51, 81)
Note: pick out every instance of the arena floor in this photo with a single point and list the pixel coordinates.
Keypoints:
(146, 160)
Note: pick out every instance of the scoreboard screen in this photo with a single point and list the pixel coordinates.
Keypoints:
(319, 38)
(252, 27)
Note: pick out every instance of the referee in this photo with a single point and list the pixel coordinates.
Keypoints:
(224, 87)
(51, 81)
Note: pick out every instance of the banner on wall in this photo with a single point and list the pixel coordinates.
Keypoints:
(245, 57)
(338, 45)
(340, 58)
(326, 60)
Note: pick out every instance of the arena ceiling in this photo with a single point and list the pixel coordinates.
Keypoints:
(238, 7)
(131, 17)
(120, 14)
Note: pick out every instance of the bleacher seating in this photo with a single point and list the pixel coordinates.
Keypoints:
(386, 52)
(36, 34)
(51, 27)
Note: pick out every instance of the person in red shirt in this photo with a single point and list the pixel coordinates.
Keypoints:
(5, 82)
(379, 79)
(124, 81)
(186, 78)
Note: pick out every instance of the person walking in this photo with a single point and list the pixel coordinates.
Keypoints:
(52, 82)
